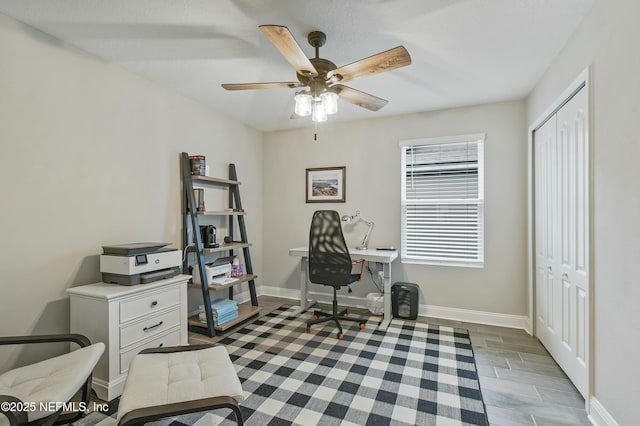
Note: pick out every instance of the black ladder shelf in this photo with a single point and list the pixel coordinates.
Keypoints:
(191, 220)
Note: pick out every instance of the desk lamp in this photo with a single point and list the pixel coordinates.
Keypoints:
(355, 219)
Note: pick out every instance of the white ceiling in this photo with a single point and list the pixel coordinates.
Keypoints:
(464, 52)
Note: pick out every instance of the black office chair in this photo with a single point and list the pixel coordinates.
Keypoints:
(330, 264)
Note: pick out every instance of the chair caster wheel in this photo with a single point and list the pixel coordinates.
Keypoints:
(340, 336)
(316, 317)
(362, 325)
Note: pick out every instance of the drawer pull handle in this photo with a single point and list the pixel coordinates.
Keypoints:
(153, 326)
(154, 303)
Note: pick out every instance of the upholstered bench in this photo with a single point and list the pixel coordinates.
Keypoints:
(165, 382)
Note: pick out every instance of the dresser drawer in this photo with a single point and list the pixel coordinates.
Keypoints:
(148, 304)
(169, 339)
(151, 326)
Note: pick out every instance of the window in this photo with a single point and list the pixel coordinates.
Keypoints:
(443, 200)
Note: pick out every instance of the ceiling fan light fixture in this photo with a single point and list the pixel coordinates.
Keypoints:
(330, 102)
(319, 114)
(303, 102)
(320, 76)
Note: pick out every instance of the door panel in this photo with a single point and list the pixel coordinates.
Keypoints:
(566, 311)
(544, 207)
(581, 124)
(551, 298)
(541, 295)
(581, 321)
(561, 197)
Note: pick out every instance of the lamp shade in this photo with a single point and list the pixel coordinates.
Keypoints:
(319, 114)
(330, 102)
(303, 101)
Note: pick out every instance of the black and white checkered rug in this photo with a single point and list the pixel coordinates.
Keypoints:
(410, 374)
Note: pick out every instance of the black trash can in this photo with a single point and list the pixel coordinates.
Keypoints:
(404, 300)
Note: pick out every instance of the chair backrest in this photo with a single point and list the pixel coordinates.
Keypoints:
(329, 259)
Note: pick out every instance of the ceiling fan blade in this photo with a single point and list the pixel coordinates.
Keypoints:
(283, 41)
(255, 86)
(359, 98)
(384, 61)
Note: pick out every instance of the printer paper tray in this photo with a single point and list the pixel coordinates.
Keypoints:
(145, 278)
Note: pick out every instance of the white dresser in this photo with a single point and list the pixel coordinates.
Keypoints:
(128, 319)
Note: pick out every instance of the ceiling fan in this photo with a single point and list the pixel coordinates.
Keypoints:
(321, 76)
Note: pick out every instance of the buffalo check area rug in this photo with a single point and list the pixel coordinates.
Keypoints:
(410, 374)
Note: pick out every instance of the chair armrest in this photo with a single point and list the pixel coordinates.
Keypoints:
(171, 349)
(144, 415)
(16, 417)
(81, 340)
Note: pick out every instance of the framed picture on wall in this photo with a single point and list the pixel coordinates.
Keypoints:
(326, 185)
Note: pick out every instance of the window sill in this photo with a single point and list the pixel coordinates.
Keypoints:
(460, 264)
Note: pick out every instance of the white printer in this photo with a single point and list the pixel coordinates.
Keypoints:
(139, 263)
(220, 268)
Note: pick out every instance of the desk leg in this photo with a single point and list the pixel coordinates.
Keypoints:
(305, 303)
(386, 319)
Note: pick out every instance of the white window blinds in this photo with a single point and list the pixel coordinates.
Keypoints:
(443, 200)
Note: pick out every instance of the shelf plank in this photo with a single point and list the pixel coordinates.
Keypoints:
(226, 247)
(221, 213)
(213, 181)
(216, 287)
(244, 312)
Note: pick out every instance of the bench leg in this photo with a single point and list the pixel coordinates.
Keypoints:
(148, 414)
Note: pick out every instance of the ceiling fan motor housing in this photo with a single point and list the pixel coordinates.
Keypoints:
(319, 83)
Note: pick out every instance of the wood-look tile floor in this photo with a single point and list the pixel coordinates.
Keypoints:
(521, 384)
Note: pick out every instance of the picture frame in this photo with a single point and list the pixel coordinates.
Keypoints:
(326, 185)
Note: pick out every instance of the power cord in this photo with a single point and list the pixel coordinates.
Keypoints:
(186, 250)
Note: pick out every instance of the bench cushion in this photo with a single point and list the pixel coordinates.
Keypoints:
(52, 380)
(164, 378)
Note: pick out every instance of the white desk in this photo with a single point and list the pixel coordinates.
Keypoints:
(371, 255)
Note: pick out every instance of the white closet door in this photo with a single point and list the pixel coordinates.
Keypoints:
(547, 262)
(562, 236)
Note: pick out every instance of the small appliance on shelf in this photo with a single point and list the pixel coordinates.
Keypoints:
(208, 235)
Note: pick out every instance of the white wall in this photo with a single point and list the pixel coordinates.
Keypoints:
(608, 40)
(90, 156)
(369, 150)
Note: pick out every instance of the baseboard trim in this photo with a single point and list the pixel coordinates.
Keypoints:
(476, 317)
(285, 293)
(455, 314)
(294, 295)
(598, 415)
